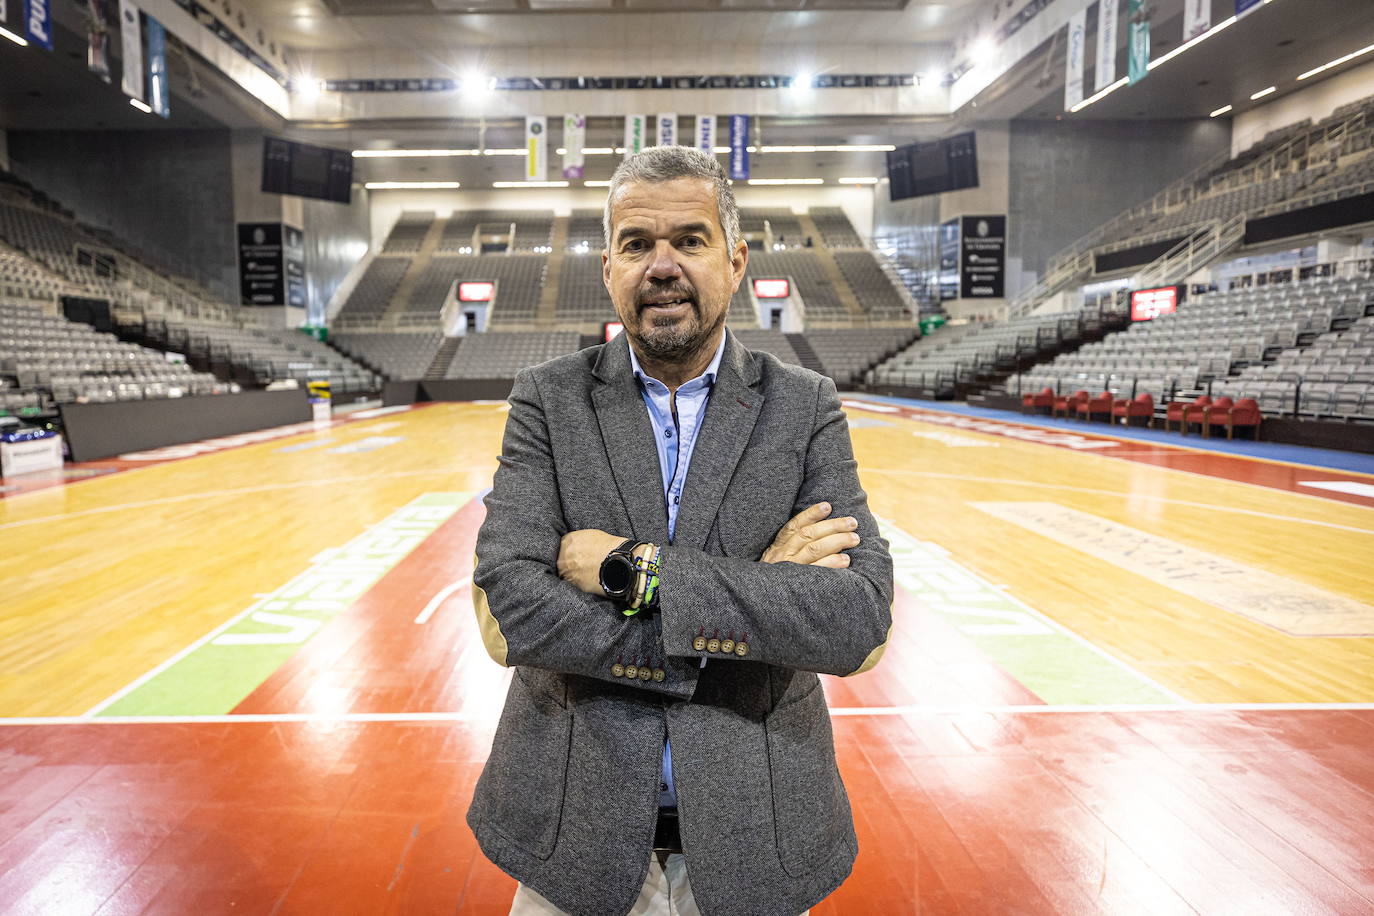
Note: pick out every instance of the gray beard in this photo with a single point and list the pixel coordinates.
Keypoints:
(676, 341)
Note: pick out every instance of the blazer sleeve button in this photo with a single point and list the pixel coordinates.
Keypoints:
(645, 674)
(713, 645)
(618, 669)
(699, 644)
(659, 675)
(631, 671)
(741, 649)
(727, 646)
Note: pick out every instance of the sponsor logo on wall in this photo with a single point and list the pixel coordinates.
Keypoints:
(984, 250)
(706, 133)
(574, 138)
(38, 23)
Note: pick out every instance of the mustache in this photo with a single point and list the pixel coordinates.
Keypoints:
(647, 296)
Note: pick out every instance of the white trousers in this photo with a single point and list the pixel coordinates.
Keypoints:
(666, 892)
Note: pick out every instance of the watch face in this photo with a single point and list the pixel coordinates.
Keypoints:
(617, 574)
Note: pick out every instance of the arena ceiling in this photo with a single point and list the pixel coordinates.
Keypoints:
(338, 25)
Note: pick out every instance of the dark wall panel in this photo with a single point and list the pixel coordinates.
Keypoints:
(1069, 177)
(167, 192)
(1330, 215)
(102, 430)
(1132, 257)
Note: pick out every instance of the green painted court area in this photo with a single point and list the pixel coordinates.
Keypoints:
(1050, 661)
(217, 672)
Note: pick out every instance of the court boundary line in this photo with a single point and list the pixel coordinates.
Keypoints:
(1129, 456)
(312, 718)
(1120, 438)
(1121, 495)
(335, 422)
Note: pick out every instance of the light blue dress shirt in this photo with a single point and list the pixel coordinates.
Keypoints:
(675, 435)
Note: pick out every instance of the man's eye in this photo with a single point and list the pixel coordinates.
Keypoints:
(635, 245)
(691, 241)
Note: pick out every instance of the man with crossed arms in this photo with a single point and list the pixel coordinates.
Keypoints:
(676, 542)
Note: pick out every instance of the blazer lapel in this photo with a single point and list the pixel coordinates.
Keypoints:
(729, 422)
(629, 440)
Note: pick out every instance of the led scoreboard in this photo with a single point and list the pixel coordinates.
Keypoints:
(1147, 304)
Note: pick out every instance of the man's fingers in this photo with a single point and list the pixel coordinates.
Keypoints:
(830, 544)
(829, 526)
(834, 561)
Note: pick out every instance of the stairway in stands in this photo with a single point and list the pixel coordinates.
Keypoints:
(438, 368)
(805, 354)
(845, 292)
(430, 244)
(544, 318)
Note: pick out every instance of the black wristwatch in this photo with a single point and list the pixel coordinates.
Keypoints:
(618, 570)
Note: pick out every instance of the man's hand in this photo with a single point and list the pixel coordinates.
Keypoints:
(579, 558)
(811, 539)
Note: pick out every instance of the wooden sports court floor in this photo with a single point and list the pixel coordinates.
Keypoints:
(1126, 677)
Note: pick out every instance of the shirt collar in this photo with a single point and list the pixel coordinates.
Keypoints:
(706, 378)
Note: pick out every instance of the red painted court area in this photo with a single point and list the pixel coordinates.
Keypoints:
(960, 812)
(341, 784)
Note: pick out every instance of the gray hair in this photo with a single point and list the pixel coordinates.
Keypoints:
(667, 163)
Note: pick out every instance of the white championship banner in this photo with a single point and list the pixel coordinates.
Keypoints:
(1106, 44)
(1074, 59)
(706, 133)
(574, 138)
(131, 40)
(667, 129)
(634, 134)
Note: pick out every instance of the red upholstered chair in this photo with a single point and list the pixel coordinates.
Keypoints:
(1142, 405)
(1033, 402)
(1067, 404)
(1173, 413)
(1099, 405)
(1245, 412)
(1206, 416)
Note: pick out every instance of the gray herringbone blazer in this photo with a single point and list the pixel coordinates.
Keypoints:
(569, 796)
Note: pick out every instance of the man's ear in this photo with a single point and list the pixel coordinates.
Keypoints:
(606, 269)
(739, 260)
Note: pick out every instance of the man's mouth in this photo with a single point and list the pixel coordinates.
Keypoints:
(668, 305)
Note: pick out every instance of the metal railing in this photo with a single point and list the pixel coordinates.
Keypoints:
(1193, 254)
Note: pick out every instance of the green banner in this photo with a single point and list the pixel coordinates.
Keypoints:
(216, 673)
(1139, 44)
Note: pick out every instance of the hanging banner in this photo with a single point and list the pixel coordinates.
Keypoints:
(1245, 6)
(634, 134)
(158, 98)
(131, 41)
(1138, 43)
(38, 23)
(536, 147)
(667, 129)
(739, 147)
(1075, 58)
(98, 38)
(706, 133)
(1106, 43)
(574, 138)
(1197, 18)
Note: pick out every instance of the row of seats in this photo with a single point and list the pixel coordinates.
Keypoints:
(46, 357)
(395, 356)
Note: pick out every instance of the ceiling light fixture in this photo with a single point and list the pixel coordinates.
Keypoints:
(858, 181)
(141, 105)
(596, 184)
(1165, 58)
(1263, 92)
(778, 181)
(1221, 111)
(411, 153)
(1100, 95)
(529, 184)
(1337, 62)
(17, 39)
(801, 83)
(411, 185)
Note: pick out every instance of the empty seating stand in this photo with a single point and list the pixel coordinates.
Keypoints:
(501, 354)
(394, 355)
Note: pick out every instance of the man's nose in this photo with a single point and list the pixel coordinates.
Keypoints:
(664, 265)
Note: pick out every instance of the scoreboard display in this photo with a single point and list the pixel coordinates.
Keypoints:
(303, 170)
(933, 167)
